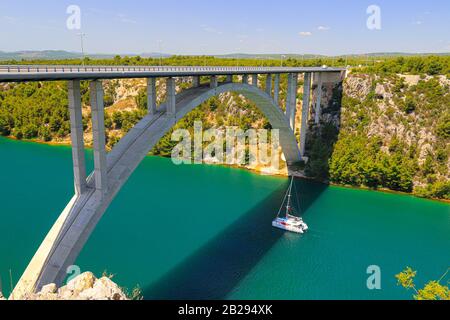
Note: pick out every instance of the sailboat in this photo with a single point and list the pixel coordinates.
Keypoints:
(289, 221)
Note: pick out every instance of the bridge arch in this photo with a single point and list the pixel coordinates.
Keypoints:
(264, 102)
(70, 232)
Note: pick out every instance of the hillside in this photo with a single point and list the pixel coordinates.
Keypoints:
(395, 133)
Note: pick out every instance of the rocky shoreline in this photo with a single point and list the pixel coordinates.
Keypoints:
(83, 287)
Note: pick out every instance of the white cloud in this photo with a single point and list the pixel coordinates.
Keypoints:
(418, 22)
(305, 34)
(8, 19)
(123, 18)
(323, 28)
(242, 38)
(210, 29)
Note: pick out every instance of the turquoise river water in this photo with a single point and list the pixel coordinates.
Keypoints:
(194, 232)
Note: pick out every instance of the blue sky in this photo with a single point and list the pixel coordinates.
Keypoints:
(228, 26)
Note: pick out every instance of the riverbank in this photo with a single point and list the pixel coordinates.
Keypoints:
(265, 171)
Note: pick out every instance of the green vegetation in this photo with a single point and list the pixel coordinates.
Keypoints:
(433, 290)
(430, 65)
(359, 161)
(34, 110)
(367, 152)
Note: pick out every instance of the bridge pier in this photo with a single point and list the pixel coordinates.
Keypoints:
(213, 82)
(276, 88)
(305, 112)
(229, 78)
(171, 100)
(151, 95)
(269, 84)
(255, 80)
(291, 99)
(245, 79)
(196, 81)
(98, 132)
(76, 135)
(318, 110)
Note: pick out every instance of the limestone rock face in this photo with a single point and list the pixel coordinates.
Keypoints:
(103, 289)
(82, 282)
(83, 287)
(50, 288)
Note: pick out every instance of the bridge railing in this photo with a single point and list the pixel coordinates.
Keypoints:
(81, 69)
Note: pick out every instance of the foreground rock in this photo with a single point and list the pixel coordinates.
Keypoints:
(84, 287)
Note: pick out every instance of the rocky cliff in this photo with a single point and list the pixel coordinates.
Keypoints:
(394, 134)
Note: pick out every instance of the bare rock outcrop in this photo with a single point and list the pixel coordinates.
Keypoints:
(84, 287)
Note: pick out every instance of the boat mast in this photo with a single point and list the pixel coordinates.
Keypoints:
(288, 206)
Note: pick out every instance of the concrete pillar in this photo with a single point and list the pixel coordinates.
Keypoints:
(269, 84)
(196, 81)
(291, 101)
(213, 84)
(276, 89)
(245, 79)
(288, 95)
(255, 80)
(76, 135)
(229, 78)
(171, 100)
(151, 95)
(305, 113)
(318, 110)
(98, 132)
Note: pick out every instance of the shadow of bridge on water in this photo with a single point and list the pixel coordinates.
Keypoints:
(214, 270)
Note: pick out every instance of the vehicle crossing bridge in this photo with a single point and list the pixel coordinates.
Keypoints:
(95, 192)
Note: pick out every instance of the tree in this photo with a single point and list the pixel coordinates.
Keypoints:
(434, 68)
(410, 105)
(141, 100)
(433, 290)
(443, 127)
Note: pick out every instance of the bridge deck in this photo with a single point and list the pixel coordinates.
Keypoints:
(20, 73)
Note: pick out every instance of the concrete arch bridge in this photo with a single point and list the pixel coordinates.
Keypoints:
(95, 192)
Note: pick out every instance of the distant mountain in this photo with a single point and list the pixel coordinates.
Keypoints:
(155, 55)
(395, 54)
(46, 54)
(269, 56)
(61, 54)
(317, 56)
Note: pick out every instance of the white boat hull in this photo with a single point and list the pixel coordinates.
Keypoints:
(290, 228)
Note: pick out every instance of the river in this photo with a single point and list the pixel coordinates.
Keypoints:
(200, 231)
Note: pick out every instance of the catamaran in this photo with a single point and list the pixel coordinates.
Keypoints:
(289, 222)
